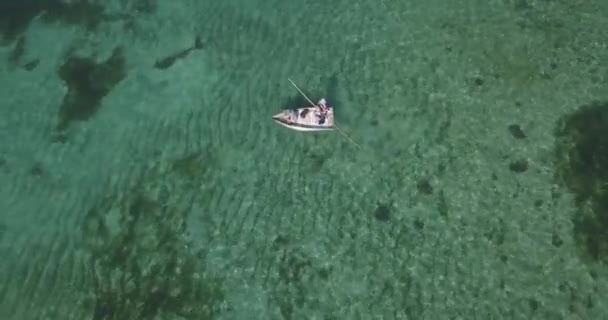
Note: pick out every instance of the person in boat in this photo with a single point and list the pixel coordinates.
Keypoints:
(323, 109)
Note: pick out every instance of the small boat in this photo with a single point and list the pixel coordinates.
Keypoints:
(307, 119)
(317, 117)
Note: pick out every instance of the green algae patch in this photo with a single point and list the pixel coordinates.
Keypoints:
(581, 165)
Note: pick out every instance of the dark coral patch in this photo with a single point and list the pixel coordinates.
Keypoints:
(88, 82)
(581, 158)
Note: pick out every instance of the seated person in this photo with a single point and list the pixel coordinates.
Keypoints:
(323, 109)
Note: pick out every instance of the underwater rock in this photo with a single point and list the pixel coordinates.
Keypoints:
(16, 15)
(425, 186)
(88, 82)
(581, 158)
(519, 165)
(87, 14)
(516, 131)
(383, 212)
(167, 62)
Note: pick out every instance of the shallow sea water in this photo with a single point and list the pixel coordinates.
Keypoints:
(142, 177)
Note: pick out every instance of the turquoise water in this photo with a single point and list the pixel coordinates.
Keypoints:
(142, 177)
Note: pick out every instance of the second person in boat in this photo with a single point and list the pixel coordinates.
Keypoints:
(323, 110)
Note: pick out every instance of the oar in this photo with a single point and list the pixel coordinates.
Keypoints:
(335, 126)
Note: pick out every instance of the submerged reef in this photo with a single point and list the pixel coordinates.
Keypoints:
(144, 266)
(88, 82)
(16, 15)
(581, 164)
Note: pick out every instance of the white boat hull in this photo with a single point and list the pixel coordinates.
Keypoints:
(305, 119)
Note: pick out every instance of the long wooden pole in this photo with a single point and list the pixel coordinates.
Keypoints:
(314, 105)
